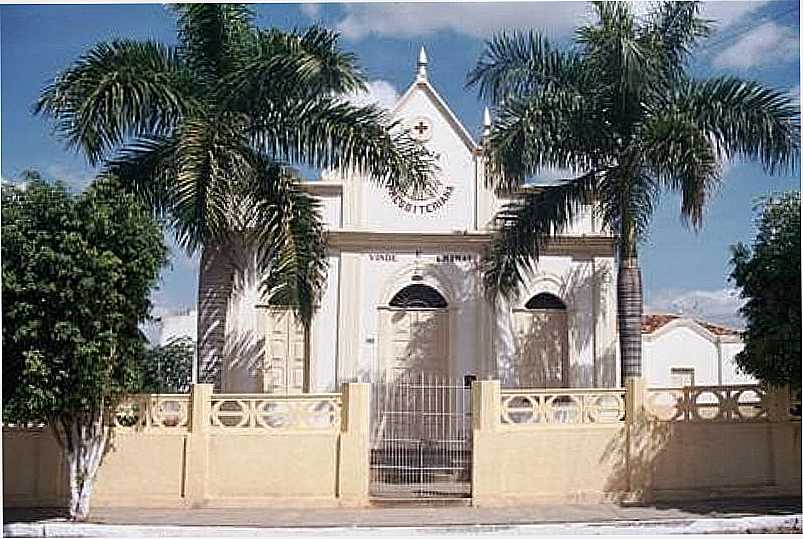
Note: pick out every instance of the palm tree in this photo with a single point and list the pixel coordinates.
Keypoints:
(621, 111)
(206, 132)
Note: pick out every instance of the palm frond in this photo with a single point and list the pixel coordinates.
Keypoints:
(520, 64)
(555, 129)
(524, 225)
(626, 200)
(673, 29)
(288, 235)
(620, 62)
(684, 159)
(146, 167)
(211, 164)
(330, 133)
(277, 65)
(116, 90)
(745, 118)
(209, 37)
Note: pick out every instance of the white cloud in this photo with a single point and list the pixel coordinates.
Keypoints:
(768, 44)
(310, 9)
(725, 14)
(77, 178)
(379, 92)
(481, 20)
(717, 306)
(405, 20)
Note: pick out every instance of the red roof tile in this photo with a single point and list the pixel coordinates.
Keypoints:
(653, 322)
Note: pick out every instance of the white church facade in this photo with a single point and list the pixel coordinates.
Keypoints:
(404, 291)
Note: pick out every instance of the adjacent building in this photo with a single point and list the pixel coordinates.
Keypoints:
(679, 351)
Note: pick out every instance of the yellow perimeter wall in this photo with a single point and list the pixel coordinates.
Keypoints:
(640, 460)
(603, 463)
(203, 466)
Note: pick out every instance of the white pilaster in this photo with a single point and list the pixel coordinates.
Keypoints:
(348, 317)
(606, 364)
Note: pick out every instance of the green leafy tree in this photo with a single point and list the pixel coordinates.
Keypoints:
(77, 275)
(205, 133)
(167, 368)
(622, 113)
(769, 278)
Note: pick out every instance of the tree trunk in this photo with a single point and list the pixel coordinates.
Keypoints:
(83, 438)
(629, 300)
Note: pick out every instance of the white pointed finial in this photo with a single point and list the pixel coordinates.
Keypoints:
(422, 64)
(486, 122)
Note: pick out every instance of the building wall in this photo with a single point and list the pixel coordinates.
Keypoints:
(457, 171)
(177, 325)
(573, 281)
(730, 371)
(346, 339)
(685, 344)
(383, 273)
(369, 261)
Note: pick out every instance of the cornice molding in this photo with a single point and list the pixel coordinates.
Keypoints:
(576, 246)
(323, 188)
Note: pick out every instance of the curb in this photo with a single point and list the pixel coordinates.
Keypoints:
(633, 527)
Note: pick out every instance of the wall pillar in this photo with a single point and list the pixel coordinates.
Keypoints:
(354, 464)
(635, 397)
(348, 317)
(778, 403)
(196, 468)
(606, 364)
(640, 441)
(486, 481)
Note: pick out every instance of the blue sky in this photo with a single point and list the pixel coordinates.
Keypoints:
(682, 270)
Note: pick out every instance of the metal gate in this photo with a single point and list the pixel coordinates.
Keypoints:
(421, 438)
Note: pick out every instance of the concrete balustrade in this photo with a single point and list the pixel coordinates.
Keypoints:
(529, 445)
(250, 450)
(716, 441)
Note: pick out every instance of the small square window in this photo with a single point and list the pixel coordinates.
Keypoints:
(682, 377)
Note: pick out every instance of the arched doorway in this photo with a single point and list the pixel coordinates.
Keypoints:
(420, 423)
(414, 332)
(542, 343)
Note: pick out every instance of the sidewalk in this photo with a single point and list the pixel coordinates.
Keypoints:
(693, 517)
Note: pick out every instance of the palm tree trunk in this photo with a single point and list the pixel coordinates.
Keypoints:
(629, 300)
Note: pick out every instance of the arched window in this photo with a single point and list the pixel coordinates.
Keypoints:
(545, 300)
(418, 296)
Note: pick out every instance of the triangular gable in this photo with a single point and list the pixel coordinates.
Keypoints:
(441, 105)
(693, 325)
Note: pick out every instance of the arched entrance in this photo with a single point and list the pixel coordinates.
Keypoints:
(420, 422)
(542, 343)
(414, 333)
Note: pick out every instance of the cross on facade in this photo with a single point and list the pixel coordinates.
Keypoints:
(421, 127)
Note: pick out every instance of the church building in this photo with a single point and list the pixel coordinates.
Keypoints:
(404, 292)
